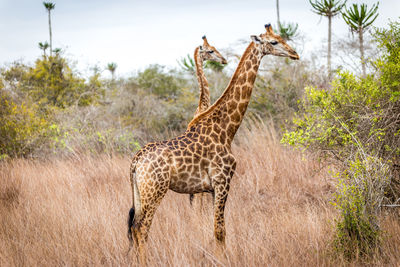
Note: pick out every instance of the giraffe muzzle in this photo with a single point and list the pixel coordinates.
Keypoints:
(294, 55)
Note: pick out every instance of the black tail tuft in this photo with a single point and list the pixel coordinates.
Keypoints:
(130, 223)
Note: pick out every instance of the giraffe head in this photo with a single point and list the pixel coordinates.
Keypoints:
(273, 44)
(208, 52)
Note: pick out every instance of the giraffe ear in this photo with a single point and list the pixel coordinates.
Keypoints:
(201, 48)
(256, 39)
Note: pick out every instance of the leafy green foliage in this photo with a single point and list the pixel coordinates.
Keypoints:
(158, 82)
(355, 235)
(52, 82)
(21, 128)
(358, 199)
(49, 5)
(364, 107)
(389, 64)
(357, 122)
(288, 30)
(43, 46)
(112, 67)
(359, 18)
(328, 8)
(187, 64)
(31, 97)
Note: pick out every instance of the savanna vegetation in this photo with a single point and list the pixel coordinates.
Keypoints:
(318, 177)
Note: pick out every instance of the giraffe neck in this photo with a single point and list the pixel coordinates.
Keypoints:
(226, 114)
(204, 98)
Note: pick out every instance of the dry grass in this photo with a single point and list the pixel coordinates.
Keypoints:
(73, 212)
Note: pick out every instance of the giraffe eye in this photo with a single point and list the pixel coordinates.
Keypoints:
(274, 42)
(211, 52)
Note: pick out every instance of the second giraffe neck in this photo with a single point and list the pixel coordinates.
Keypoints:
(204, 96)
(227, 113)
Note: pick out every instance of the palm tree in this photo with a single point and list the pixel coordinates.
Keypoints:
(329, 9)
(187, 64)
(57, 51)
(44, 46)
(288, 30)
(112, 67)
(50, 6)
(359, 18)
(277, 15)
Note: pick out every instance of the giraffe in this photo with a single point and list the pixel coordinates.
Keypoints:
(199, 160)
(202, 53)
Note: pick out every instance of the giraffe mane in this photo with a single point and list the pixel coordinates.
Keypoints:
(230, 85)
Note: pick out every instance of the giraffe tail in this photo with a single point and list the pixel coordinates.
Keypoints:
(134, 212)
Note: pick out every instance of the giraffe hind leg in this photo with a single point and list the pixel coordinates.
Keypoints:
(150, 200)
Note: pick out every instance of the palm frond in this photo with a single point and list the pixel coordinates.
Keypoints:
(288, 30)
(44, 45)
(327, 8)
(49, 5)
(359, 17)
(112, 66)
(187, 64)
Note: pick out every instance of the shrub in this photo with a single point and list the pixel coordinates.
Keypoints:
(21, 129)
(358, 199)
(357, 122)
(52, 83)
(156, 81)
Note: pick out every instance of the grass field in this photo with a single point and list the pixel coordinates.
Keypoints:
(73, 212)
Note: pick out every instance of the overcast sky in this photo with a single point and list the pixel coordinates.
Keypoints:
(135, 34)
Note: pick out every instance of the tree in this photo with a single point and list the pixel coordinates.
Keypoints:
(357, 122)
(159, 82)
(288, 30)
(277, 15)
(359, 18)
(57, 51)
(187, 64)
(44, 46)
(112, 67)
(50, 6)
(329, 9)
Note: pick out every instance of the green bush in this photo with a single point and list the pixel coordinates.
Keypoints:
(21, 129)
(52, 83)
(356, 123)
(358, 199)
(156, 81)
(355, 110)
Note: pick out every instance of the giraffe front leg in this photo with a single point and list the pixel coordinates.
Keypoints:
(220, 196)
(221, 186)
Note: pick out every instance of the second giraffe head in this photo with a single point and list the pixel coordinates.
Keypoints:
(209, 52)
(273, 44)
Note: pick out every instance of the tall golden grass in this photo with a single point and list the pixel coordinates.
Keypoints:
(73, 212)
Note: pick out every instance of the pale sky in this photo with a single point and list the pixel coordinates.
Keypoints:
(135, 34)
